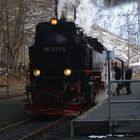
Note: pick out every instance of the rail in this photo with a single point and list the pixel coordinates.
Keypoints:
(12, 126)
(44, 130)
(29, 129)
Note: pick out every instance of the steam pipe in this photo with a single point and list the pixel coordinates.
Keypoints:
(74, 13)
(55, 8)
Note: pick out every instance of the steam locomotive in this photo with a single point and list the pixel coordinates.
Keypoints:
(64, 69)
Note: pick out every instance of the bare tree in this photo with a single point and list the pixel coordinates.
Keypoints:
(18, 19)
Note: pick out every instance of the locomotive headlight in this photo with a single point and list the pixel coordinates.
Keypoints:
(54, 21)
(67, 72)
(36, 72)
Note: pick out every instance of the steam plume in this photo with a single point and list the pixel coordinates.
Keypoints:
(85, 11)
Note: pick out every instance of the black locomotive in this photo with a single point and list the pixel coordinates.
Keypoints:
(62, 79)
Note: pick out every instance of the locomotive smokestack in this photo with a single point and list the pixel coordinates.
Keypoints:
(55, 8)
(74, 13)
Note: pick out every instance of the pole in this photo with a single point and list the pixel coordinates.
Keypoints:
(138, 36)
(109, 107)
(128, 28)
(7, 74)
(108, 61)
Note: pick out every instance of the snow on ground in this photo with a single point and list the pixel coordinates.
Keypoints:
(121, 21)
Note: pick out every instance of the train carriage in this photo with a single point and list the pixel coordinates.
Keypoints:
(62, 79)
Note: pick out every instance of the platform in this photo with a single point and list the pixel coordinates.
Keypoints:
(124, 115)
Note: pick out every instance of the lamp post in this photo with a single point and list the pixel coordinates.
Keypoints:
(108, 90)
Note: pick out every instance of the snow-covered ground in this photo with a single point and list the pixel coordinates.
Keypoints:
(122, 21)
(122, 48)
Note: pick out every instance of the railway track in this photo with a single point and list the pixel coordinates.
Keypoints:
(29, 129)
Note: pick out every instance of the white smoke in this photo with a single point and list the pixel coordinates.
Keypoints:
(64, 6)
(85, 12)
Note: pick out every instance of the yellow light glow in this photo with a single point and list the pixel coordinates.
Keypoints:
(36, 72)
(67, 72)
(54, 21)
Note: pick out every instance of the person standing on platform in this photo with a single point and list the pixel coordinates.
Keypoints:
(117, 71)
(128, 76)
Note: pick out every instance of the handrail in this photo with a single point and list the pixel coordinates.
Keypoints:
(117, 101)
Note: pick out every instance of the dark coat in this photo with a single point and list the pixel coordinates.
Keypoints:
(117, 73)
(128, 74)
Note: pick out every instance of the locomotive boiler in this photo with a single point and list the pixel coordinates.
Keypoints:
(61, 78)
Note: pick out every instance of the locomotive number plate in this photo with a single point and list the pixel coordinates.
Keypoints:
(54, 49)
